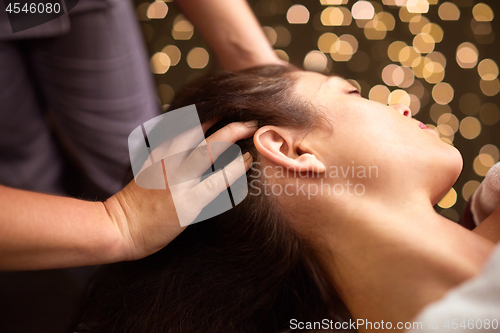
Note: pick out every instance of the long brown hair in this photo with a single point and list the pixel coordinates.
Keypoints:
(245, 270)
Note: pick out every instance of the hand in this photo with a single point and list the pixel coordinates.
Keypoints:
(147, 220)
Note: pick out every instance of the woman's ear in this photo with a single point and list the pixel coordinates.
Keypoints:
(283, 147)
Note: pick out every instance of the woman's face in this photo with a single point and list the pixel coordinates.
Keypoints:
(370, 134)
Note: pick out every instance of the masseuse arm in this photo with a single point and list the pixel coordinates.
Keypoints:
(40, 231)
(232, 30)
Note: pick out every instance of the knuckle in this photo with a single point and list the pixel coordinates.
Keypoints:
(212, 183)
(203, 150)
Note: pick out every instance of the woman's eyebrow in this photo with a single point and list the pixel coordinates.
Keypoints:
(337, 75)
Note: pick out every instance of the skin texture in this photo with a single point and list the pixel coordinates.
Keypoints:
(388, 252)
(40, 231)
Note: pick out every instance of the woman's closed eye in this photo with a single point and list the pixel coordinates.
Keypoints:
(354, 92)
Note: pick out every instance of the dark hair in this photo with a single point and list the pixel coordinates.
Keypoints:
(245, 270)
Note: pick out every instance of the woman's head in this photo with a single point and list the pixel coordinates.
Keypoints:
(246, 270)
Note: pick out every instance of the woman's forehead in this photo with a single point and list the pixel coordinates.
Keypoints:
(311, 83)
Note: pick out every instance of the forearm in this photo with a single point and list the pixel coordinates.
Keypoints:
(232, 30)
(40, 231)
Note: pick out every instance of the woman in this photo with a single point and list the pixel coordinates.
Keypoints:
(338, 222)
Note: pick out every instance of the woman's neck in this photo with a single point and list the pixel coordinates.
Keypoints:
(389, 264)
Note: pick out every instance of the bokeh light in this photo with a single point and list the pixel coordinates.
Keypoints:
(448, 11)
(482, 13)
(470, 127)
(467, 55)
(315, 61)
(449, 199)
(363, 10)
(197, 58)
(160, 63)
(416, 52)
(297, 14)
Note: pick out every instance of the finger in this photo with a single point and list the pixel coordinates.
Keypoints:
(206, 125)
(205, 154)
(206, 191)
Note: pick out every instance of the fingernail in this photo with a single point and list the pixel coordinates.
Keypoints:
(252, 123)
(246, 156)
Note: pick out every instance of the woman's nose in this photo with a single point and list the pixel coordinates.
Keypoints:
(403, 109)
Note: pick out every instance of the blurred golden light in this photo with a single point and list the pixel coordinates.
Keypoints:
(469, 188)
(333, 2)
(283, 36)
(434, 30)
(166, 93)
(417, 89)
(387, 20)
(394, 50)
(467, 55)
(336, 16)
(343, 48)
(409, 57)
(197, 58)
(315, 61)
(182, 29)
(423, 43)
(405, 15)
(470, 128)
(282, 55)
(482, 13)
(414, 104)
(326, 41)
(448, 11)
(399, 96)
(434, 65)
(486, 160)
(160, 63)
(481, 28)
(418, 6)
(488, 70)
(489, 114)
(437, 110)
(449, 199)
(157, 10)
(297, 14)
(388, 75)
(408, 77)
(445, 130)
(351, 40)
(271, 34)
(417, 24)
(443, 93)
(363, 10)
(491, 150)
(379, 93)
(395, 2)
(479, 167)
(450, 120)
(490, 88)
(469, 104)
(374, 33)
(173, 53)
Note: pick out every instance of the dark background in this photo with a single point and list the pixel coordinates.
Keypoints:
(366, 67)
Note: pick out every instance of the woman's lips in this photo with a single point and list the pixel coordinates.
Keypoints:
(422, 125)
